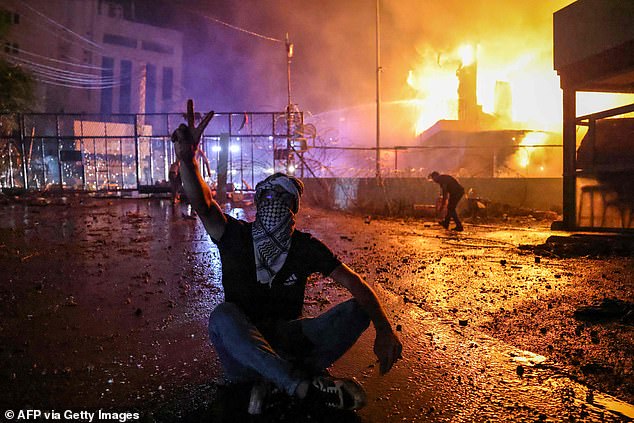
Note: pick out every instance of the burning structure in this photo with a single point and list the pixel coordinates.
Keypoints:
(480, 144)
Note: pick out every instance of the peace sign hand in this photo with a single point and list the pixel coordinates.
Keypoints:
(187, 137)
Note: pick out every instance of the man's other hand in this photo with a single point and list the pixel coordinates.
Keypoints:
(387, 348)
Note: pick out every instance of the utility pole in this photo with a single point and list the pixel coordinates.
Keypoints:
(289, 106)
(378, 90)
(289, 57)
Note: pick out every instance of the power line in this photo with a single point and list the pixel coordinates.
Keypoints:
(59, 25)
(79, 86)
(237, 28)
(58, 71)
(63, 38)
(54, 76)
(77, 83)
(80, 65)
(87, 82)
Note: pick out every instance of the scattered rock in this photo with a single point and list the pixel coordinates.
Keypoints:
(520, 370)
(578, 330)
(596, 368)
(609, 309)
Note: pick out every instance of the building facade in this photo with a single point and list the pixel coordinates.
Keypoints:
(93, 56)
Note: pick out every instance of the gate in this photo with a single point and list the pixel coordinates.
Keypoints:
(92, 152)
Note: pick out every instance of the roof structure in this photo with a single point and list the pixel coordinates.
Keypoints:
(594, 51)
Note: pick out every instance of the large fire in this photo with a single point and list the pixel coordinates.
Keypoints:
(534, 85)
(532, 97)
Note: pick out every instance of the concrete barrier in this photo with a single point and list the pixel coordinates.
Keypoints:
(397, 196)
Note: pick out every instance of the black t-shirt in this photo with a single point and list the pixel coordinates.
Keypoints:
(284, 299)
(449, 184)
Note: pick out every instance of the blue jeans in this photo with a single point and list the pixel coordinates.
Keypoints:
(284, 352)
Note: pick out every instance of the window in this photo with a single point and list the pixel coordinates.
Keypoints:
(8, 17)
(156, 47)
(150, 88)
(125, 90)
(119, 40)
(115, 10)
(168, 83)
(5, 16)
(107, 74)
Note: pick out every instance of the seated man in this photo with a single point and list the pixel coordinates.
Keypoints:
(258, 332)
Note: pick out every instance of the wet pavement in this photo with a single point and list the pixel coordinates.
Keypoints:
(105, 305)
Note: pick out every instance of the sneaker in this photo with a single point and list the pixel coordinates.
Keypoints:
(458, 228)
(343, 394)
(444, 224)
(259, 393)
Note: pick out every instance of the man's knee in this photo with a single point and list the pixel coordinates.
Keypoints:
(223, 316)
(357, 315)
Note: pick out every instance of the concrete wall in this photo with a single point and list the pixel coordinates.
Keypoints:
(397, 196)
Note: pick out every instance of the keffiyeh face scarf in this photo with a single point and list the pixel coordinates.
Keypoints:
(277, 199)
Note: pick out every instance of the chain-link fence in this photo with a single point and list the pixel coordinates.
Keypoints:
(134, 152)
(513, 161)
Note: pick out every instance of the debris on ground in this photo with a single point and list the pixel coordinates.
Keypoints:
(609, 309)
(125, 307)
(584, 245)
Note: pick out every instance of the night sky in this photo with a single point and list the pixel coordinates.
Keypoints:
(334, 63)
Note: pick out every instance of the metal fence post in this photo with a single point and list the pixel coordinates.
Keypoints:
(25, 167)
(83, 166)
(137, 152)
(105, 141)
(59, 157)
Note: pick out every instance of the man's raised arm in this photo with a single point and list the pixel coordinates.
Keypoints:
(186, 139)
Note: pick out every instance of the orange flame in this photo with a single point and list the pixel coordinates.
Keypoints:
(534, 85)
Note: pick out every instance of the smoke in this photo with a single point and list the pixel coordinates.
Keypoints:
(334, 65)
(335, 41)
